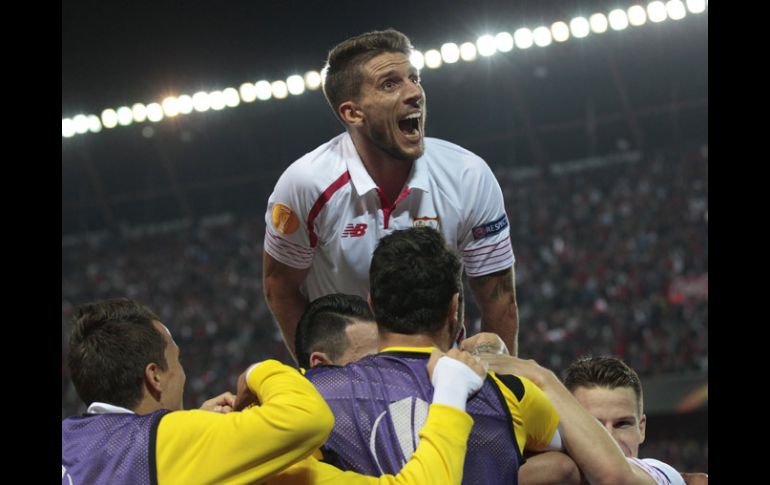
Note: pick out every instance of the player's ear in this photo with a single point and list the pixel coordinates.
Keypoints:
(319, 358)
(351, 113)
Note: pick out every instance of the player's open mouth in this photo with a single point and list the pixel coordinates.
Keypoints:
(410, 125)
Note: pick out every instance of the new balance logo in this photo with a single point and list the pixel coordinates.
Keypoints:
(357, 230)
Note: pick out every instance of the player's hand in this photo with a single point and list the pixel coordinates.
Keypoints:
(507, 364)
(466, 358)
(223, 403)
(484, 343)
(244, 397)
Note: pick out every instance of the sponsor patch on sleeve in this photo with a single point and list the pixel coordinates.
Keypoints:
(285, 220)
(490, 228)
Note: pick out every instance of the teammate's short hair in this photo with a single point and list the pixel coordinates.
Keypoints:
(412, 279)
(609, 372)
(322, 326)
(111, 343)
(343, 75)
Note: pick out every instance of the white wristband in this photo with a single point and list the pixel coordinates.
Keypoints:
(454, 382)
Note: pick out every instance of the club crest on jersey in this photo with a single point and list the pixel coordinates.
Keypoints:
(285, 220)
(426, 222)
(490, 228)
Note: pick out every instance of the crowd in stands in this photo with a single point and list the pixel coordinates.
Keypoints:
(604, 253)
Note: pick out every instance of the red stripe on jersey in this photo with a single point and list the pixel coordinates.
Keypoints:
(319, 204)
(294, 246)
(484, 247)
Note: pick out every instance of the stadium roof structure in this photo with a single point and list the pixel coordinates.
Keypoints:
(638, 88)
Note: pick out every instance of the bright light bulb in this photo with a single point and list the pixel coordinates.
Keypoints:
(417, 59)
(217, 100)
(618, 19)
(433, 59)
(170, 107)
(264, 90)
(248, 92)
(637, 15)
(295, 84)
(313, 80)
(504, 42)
(656, 11)
(486, 45)
(125, 116)
(154, 112)
(185, 104)
(201, 101)
(139, 112)
(279, 89)
(231, 97)
(598, 23)
(560, 31)
(94, 125)
(696, 6)
(450, 53)
(579, 27)
(542, 36)
(67, 128)
(468, 51)
(675, 9)
(109, 118)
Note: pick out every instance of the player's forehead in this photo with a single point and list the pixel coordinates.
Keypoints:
(387, 63)
(608, 403)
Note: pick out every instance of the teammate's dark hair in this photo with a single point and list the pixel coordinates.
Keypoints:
(412, 279)
(322, 326)
(111, 343)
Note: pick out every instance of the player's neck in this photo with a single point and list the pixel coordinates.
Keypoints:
(393, 339)
(389, 173)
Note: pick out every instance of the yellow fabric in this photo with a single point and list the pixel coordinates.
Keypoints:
(438, 459)
(201, 447)
(534, 418)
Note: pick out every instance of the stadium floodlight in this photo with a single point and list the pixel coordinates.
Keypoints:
(417, 59)
(109, 118)
(696, 6)
(264, 90)
(248, 92)
(230, 95)
(201, 101)
(185, 104)
(154, 112)
(279, 89)
(579, 27)
(94, 125)
(139, 112)
(486, 45)
(523, 38)
(170, 107)
(618, 19)
(80, 122)
(598, 22)
(468, 51)
(67, 128)
(656, 11)
(503, 42)
(560, 31)
(542, 36)
(637, 15)
(217, 100)
(313, 80)
(433, 58)
(295, 84)
(125, 116)
(675, 9)
(450, 53)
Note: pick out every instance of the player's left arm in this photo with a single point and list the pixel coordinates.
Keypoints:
(495, 294)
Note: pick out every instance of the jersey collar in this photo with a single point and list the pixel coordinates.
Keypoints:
(421, 350)
(104, 408)
(362, 181)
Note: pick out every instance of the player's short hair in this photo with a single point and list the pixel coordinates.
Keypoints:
(412, 279)
(609, 372)
(111, 343)
(322, 326)
(343, 75)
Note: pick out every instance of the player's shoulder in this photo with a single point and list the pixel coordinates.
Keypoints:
(654, 467)
(319, 167)
(452, 157)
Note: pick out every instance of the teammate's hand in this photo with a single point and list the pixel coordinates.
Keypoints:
(222, 403)
(244, 397)
(484, 343)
